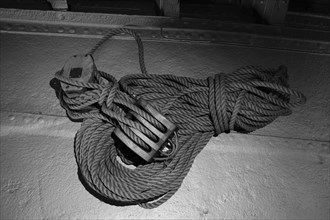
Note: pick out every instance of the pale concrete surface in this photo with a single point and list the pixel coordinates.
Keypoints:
(280, 171)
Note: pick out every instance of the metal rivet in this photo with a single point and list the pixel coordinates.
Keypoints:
(27, 119)
(46, 29)
(213, 37)
(33, 29)
(8, 27)
(86, 31)
(61, 16)
(11, 117)
(167, 149)
(321, 46)
(72, 31)
(188, 35)
(261, 2)
(60, 30)
(99, 32)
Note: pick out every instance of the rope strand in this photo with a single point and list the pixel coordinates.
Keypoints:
(245, 100)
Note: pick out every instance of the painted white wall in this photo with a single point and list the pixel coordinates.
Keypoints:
(280, 171)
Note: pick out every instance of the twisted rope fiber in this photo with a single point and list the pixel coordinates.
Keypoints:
(244, 100)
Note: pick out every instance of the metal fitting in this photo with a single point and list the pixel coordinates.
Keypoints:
(163, 143)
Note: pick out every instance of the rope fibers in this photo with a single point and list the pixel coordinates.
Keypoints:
(244, 100)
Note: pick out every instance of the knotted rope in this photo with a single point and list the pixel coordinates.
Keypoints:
(244, 100)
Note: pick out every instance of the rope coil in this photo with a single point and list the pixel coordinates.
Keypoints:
(245, 100)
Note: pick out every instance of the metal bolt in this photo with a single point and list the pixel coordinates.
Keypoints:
(11, 117)
(8, 27)
(220, 37)
(168, 148)
(153, 35)
(320, 46)
(61, 16)
(188, 35)
(213, 37)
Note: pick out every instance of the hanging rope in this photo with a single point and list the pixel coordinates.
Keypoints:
(244, 100)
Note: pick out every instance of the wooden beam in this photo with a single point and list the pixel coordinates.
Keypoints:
(61, 5)
(171, 8)
(272, 11)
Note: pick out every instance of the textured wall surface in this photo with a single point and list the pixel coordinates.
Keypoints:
(280, 171)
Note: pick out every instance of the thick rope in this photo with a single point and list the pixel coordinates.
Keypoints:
(245, 100)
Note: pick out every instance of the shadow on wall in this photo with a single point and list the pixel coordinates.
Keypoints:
(56, 85)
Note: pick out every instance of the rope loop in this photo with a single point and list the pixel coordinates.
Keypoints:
(218, 103)
(244, 100)
(249, 98)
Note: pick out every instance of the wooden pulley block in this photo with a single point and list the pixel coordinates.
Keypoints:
(81, 68)
(164, 141)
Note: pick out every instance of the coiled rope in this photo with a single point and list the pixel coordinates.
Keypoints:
(244, 100)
